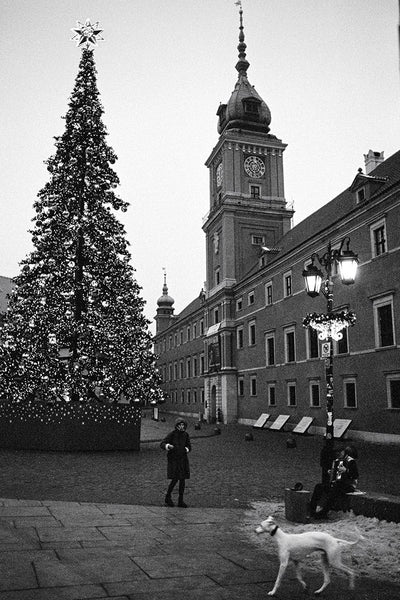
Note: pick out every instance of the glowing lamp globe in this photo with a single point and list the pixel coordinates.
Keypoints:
(313, 279)
(348, 263)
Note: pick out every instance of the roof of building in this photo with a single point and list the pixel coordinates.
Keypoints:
(195, 305)
(388, 173)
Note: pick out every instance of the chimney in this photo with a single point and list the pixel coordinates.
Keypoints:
(372, 160)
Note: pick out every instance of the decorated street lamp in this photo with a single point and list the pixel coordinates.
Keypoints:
(313, 278)
(348, 263)
(329, 325)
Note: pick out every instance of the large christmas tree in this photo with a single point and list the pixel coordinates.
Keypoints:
(75, 327)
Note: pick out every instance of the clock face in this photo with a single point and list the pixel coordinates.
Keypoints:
(254, 166)
(219, 174)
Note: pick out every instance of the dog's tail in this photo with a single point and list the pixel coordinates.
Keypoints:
(347, 543)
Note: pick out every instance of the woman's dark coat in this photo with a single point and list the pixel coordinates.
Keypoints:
(177, 458)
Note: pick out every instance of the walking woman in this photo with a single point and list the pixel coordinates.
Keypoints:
(177, 444)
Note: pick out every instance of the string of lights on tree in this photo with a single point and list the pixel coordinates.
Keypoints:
(75, 328)
(60, 413)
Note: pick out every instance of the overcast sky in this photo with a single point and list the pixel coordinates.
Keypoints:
(328, 70)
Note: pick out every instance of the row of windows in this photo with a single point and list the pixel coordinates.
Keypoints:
(379, 246)
(191, 332)
(189, 396)
(350, 399)
(384, 335)
(192, 366)
(287, 292)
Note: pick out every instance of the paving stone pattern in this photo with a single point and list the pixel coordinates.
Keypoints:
(226, 470)
(128, 552)
(94, 525)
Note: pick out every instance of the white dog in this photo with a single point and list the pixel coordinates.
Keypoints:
(295, 546)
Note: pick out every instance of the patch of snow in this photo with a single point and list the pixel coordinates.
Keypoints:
(376, 556)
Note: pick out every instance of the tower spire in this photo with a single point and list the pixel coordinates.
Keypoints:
(245, 108)
(242, 65)
(165, 287)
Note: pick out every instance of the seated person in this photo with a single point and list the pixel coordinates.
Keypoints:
(345, 479)
(329, 474)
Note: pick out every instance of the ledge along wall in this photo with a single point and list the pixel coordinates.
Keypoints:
(69, 427)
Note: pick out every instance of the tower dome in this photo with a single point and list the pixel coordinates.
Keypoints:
(165, 301)
(245, 108)
(165, 309)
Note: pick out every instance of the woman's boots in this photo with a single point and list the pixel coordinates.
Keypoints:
(181, 503)
(168, 500)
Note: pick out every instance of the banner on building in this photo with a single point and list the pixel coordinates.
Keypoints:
(214, 356)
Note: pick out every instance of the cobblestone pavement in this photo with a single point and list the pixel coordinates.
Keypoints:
(227, 470)
(53, 550)
(93, 525)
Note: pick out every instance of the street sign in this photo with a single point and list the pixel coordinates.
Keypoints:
(325, 349)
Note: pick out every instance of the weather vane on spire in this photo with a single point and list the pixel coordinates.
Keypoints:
(242, 64)
(87, 33)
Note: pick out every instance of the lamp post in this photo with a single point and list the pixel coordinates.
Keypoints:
(329, 325)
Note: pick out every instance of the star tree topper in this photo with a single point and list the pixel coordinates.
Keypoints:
(86, 33)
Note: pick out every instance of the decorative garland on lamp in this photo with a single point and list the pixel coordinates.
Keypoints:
(331, 324)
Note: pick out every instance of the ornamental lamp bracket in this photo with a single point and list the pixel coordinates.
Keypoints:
(330, 326)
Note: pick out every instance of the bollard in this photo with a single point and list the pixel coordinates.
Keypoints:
(217, 431)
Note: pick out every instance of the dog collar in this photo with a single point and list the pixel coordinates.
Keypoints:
(273, 532)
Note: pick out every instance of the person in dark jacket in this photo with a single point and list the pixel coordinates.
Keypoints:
(346, 479)
(177, 444)
(329, 474)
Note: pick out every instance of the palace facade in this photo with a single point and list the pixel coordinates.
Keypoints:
(240, 349)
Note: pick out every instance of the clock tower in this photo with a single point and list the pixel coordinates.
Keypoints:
(247, 202)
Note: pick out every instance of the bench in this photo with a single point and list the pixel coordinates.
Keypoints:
(368, 504)
(371, 504)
